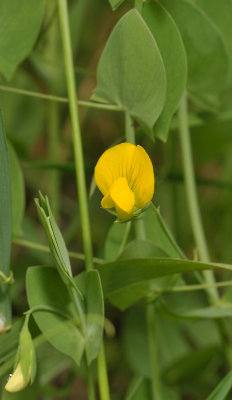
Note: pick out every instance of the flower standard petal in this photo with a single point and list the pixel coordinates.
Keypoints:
(113, 163)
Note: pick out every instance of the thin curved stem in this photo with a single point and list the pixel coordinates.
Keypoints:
(59, 99)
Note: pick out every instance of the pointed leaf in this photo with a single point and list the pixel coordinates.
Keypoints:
(223, 388)
(208, 63)
(172, 50)
(136, 83)
(122, 274)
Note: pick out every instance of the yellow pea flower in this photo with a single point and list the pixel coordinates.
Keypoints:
(125, 176)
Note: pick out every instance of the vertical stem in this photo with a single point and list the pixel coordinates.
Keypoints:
(76, 133)
(78, 153)
(129, 128)
(152, 343)
(53, 142)
(191, 193)
(102, 375)
(53, 121)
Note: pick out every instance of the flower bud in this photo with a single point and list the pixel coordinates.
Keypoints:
(25, 363)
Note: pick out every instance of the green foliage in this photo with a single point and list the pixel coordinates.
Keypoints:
(138, 87)
(20, 24)
(222, 389)
(172, 51)
(203, 44)
(5, 228)
(170, 335)
(45, 288)
(17, 191)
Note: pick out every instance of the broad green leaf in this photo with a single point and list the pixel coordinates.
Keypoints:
(115, 238)
(17, 191)
(127, 296)
(208, 63)
(121, 274)
(5, 229)
(115, 3)
(19, 27)
(131, 71)
(222, 389)
(172, 50)
(94, 314)
(45, 288)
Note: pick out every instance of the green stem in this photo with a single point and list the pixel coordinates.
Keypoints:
(59, 99)
(102, 375)
(79, 160)
(41, 247)
(191, 192)
(53, 143)
(77, 140)
(129, 128)
(153, 353)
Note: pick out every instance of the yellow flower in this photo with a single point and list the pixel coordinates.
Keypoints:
(125, 176)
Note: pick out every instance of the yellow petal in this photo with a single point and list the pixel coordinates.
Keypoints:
(107, 202)
(17, 381)
(123, 198)
(114, 163)
(142, 178)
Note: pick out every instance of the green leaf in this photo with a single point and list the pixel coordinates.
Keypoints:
(122, 274)
(128, 296)
(172, 50)
(94, 314)
(19, 27)
(17, 191)
(136, 83)
(45, 288)
(220, 13)
(115, 3)
(222, 389)
(5, 229)
(204, 47)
